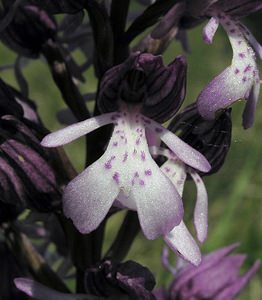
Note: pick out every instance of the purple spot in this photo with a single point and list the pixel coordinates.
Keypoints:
(147, 121)
(125, 156)
(125, 114)
(136, 174)
(108, 165)
(123, 122)
(118, 131)
(236, 70)
(133, 182)
(148, 172)
(137, 141)
(116, 177)
(115, 144)
(244, 79)
(143, 156)
(141, 182)
(232, 30)
(198, 180)
(228, 23)
(122, 137)
(239, 42)
(247, 68)
(167, 169)
(138, 130)
(158, 130)
(241, 55)
(113, 118)
(141, 134)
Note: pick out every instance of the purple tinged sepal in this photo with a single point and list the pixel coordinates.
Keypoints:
(220, 270)
(143, 79)
(238, 81)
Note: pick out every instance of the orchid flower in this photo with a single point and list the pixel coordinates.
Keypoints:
(126, 172)
(241, 79)
(179, 238)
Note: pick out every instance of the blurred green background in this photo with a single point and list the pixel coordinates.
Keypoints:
(235, 193)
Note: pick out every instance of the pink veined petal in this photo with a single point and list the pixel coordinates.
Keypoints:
(72, 132)
(180, 240)
(201, 207)
(183, 151)
(230, 292)
(41, 292)
(89, 196)
(159, 205)
(210, 29)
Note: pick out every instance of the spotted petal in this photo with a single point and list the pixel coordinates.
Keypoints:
(159, 205)
(89, 196)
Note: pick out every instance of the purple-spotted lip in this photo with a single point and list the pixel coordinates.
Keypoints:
(126, 167)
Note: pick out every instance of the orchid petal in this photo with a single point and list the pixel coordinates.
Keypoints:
(159, 205)
(41, 292)
(210, 30)
(70, 133)
(201, 208)
(88, 197)
(180, 240)
(183, 151)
